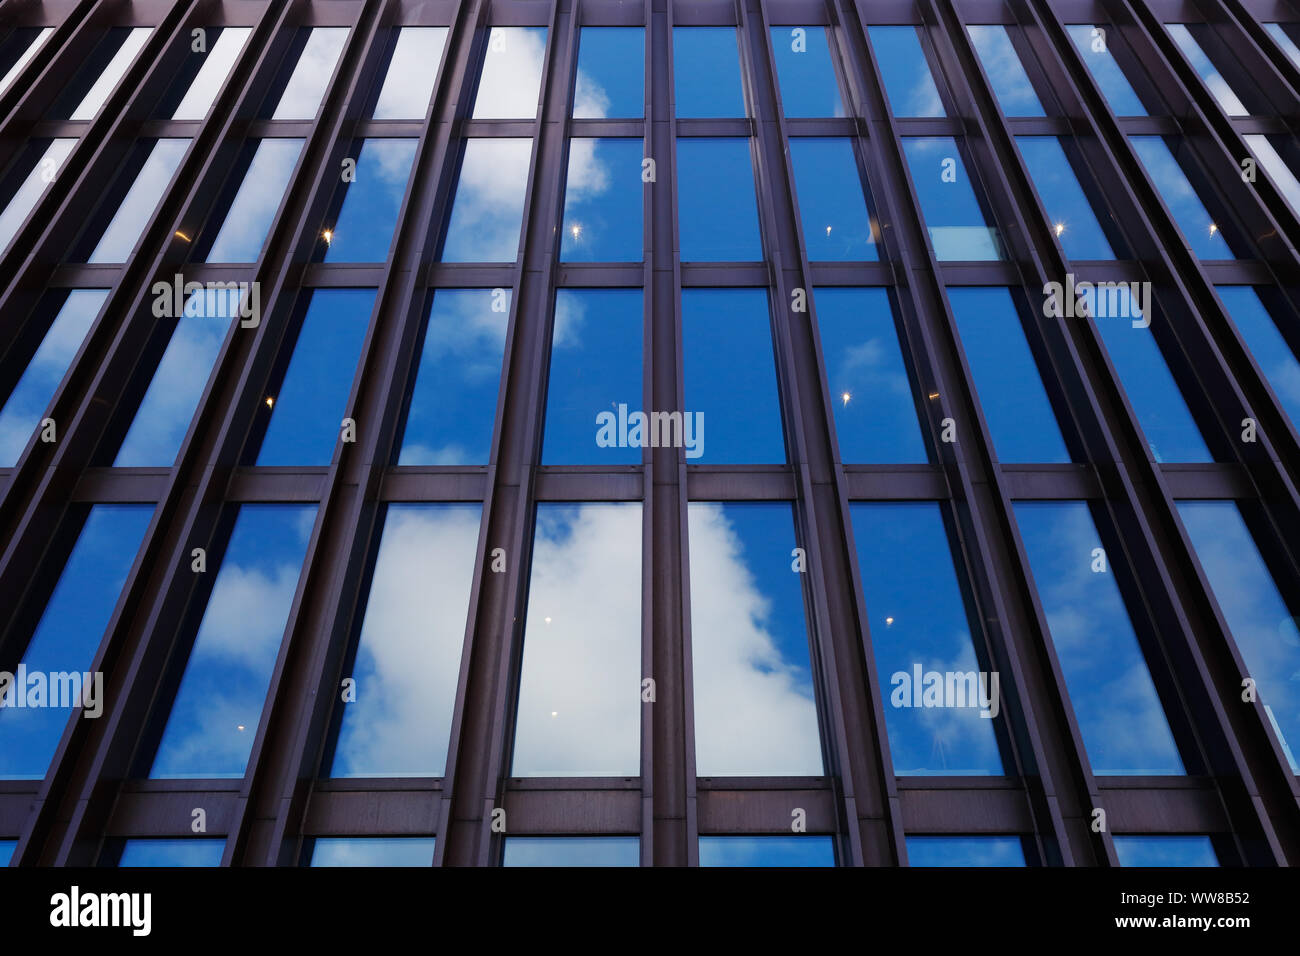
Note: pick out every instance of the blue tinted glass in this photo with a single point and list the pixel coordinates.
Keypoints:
(1202, 233)
(908, 81)
(1068, 210)
(611, 73)
(244, 228)
(454, 402)
(572, 851)
(579, 710)
(939, 692)
(1006, 73)
(20, 417)
(766, 851)
(836, 224)
(875, 408)
(602, 201)
(1166, 421)
(511, 82)
(1284, 42)
(193, 851)
(730, 377)
(754, 706)
(965, 851)
(489, 207)
(958, 229)
(1206, 70)
(1010, 390)
(124, 230)
(307, 414)
(7, 848)
(1262, 626)
(35, 706)
(215, 714)
(164, 415)
(411, 73)
(706, 66)
(1165, 851)
(594, 390)
(408, 653)
(805, 71)
(716, 210)
(364, 228)
(1115, 703)
(1091, 42)
(372, 851)
(1275, 357)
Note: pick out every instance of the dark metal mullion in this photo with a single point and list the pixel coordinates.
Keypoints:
(1266, 46)
(33, 74)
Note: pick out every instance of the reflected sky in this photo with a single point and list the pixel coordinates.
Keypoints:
(1010, 389)
(35, 39)
(706, 73)
(766, 851)
(1006, 73)
(1206, 70)
(1275, 357)
(1165, 851)
(1203, 235)
(244, 228)
(595, 367)
(31, 189)
(7, 847)
(579, 709)
(70, 631)
(453, 405)
(305, 87)
(602, 201)
(611, 73)
(21, 414)
(131, 43)
(906, 75)
(754, 707)
(217, 63)
(408, 653)
(1107, 73)
(958, 229)
(1276, 167)
(364, 228)
(215, 714)
(917, 616)
(511, 82)
(192, 851)
(1275, 30)
(716, 210)
(730, 375)
(123, 232)
(572, 851)
(965, 851)
(372, 851)
(875, 408)
(1069, 213)
(308, 410)
(1265, 631)
(411, 74)
(488, 210)
(1115, 703)
(806, 72)
(836, 224)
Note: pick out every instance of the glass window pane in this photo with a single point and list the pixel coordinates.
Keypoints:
(1263, 627)
(806, 72)
(1015, 405)
(311, 74)
(1091, 42)
(131, 44)
(21, 414)
(875, 406)
(364, 228)
(579, 710)
(921, 638)
(307, 414)
(248, 219)
(1280, 37)
(602, 201)
(730, 377)
(217, 64)
(33, 186)
(905, 72)
(7, 847)
(716, 209)
(767, 851)
(511, 82)
(706, 72)
(1068, 209)
(151, 182)
(189, 851)
(1006, 73)
(594, 387)
(755, 713)
(1276, 358)
(412, 72)
(35, 701)
(1204, 236)
(1278, 171)
(453, 405)
(1165, 851)
(965, 851)
(489, 207)
(215, 713)
(372, 851)
(407, 656)
(32, 41)
(1119, 714)
(957, 225)
(832, 207)
(572, 851)
(611, 73)
(1206, 70)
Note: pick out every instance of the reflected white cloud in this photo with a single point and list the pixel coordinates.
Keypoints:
(306, 87)
(489, 205)
(217, 64)
(511, 82)
(113, 73)
(412, 71)
(249, 218)
(141, 200)
(32, 188)
(20, 64)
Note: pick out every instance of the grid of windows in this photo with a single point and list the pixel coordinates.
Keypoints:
(695, 433)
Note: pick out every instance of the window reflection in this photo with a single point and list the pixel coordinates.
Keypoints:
(189, 851)
(1006, 73)
(832, 207)
(805, 72)
(7, 847)
(217, 63)
(412, 72)
(965, 851)
(137, 206)
(706, 73)
(1275, 30)
(1284, 180)
(766, 851)
(602, 201)
(1165, 851)
(1094, 45)
(1274, 355)
(26, 43)
(754, 706)
(23, 200)
(1204, 236)
(511, 82)
(218, 705)
(905, 72)
(572, 851)
(126, 45)
(1069, 212)
(363, 228)
(957, 225)
(611, 73)
(248, 219)
(315, 63)
(1206, 70)
(489, 207)
(579, 708)
(716, 209)
(372, 851)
